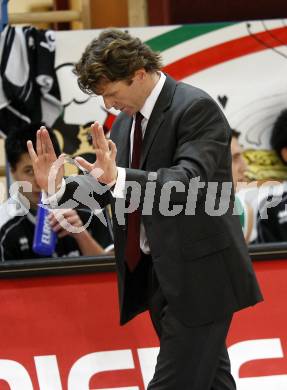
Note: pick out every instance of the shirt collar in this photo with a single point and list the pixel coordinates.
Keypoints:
(149, 104)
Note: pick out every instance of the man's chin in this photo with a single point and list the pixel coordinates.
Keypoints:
(128, 111)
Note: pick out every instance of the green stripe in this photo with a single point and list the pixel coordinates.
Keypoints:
(183, 33)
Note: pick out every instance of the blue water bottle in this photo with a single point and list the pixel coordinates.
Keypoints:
(44, 237)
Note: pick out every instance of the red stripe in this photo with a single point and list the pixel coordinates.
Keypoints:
(226, 51)
(109, 122)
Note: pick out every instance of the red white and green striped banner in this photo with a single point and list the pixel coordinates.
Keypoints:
(243, 66)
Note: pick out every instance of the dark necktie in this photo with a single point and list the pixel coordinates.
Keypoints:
(133, 219)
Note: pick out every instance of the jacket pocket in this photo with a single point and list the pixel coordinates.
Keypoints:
(206, 246)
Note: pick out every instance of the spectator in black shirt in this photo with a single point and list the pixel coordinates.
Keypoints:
(274, 228)
(18, 214)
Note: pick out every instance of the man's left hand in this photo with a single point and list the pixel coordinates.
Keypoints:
(104, 169)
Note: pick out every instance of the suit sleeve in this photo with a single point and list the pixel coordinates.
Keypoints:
(202, 140)
(80, 192)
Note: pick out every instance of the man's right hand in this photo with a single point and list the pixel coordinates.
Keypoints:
(48, 169)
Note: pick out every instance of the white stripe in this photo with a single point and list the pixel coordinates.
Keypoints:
(214, 38)
(17, 113)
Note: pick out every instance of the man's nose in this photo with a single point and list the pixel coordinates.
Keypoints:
(108, 103)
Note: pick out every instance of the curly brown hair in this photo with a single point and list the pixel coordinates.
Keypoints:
(114, 56)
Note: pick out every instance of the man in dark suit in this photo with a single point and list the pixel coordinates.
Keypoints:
(180, 251)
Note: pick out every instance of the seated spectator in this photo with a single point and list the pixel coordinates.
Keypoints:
(18, 213)
(278, 139)
(238, 174)
(274, 227)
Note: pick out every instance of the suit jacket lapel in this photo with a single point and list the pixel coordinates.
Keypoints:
(157, 116)
(123, 143)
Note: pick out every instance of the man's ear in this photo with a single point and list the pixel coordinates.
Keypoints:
(284, 154)
(140, 74)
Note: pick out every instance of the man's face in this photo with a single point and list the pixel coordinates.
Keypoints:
(238, 164)
(128, 98)
(24, 172)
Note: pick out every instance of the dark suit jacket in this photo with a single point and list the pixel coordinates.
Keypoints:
(201, 261)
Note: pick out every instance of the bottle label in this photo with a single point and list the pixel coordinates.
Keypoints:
(46, 233)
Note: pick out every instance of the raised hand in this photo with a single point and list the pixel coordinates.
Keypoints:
(48, 169)
(104, 169)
